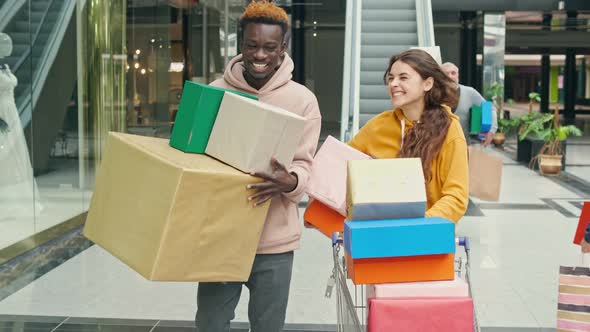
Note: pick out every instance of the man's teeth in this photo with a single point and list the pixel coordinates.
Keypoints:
(258, 65)
(398, 93)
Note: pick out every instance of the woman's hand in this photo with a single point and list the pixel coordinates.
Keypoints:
(585, 246)
(277, 182)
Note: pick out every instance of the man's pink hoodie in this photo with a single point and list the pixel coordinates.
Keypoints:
(282, 229)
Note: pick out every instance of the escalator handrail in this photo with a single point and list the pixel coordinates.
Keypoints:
(424, 21)
(8, 10)
(48, 56)
(26, 54)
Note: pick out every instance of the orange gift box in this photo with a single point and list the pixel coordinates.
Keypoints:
(401, 269)
(324, 218)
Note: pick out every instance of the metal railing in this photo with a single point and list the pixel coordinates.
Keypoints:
(34, 38)
(9, 8)
(49, 52)
(351, 71)
(425, 23)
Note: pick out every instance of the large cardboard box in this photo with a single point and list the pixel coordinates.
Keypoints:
(197, 111)
(385, 189)
(327, 183)
(399, 237)
(443, 314)
(173, 216)
(400, 269)
(248, 133)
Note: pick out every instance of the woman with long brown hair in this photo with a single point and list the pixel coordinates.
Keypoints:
(422, 125)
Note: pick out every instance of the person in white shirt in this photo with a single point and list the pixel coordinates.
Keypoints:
(468, 97)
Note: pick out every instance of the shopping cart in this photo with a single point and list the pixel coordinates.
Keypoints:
(351, 313)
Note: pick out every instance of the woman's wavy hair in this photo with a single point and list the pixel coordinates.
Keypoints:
(424, 140)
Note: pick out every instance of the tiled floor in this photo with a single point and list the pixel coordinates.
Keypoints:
(583, 172)
(517, 246)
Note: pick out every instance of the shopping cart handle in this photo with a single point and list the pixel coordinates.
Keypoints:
(464, 242)
(336, 238)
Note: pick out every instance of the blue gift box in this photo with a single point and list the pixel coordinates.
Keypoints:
(399, 237)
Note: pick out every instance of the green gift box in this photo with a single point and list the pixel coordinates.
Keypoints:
(196, 115)
(475, 120)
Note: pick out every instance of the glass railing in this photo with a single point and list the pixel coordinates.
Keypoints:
(43, 16)
(44, 32)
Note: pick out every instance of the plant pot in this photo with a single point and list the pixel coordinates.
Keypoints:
(550, 164)
(499, 139)
(528, 148)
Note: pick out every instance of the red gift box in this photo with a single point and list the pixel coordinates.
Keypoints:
(583, 223)
(438, 314)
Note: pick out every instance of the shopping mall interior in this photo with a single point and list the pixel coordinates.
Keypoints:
(85, 68)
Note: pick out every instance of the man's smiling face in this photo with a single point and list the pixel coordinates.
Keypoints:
(262, 48)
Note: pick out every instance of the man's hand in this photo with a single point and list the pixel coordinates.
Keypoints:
(277, 182)
(585, 246)
(487, 139)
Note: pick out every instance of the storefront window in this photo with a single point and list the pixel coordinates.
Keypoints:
(74, 70)
(39, 151)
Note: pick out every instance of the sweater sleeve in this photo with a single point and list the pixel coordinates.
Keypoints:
(494, 121)
(361, 140)
(302, 161)
(455, 187)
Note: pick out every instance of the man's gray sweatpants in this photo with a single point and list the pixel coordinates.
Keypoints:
(269, 293)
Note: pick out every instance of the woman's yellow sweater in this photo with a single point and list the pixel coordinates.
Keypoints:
(448, 189)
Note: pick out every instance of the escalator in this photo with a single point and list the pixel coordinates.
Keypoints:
(376, 30)
(43, 34)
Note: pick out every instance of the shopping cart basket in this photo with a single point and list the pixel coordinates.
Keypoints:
(351, 312)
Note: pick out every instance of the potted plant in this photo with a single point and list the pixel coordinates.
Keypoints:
(505, 126)
(529, 143)
(495, 93)
(533, 97)
(551, 155)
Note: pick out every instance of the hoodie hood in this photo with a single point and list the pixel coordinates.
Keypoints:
(450, 111)
(234, 76)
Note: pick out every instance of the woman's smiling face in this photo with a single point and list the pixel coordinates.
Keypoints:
(405, 85)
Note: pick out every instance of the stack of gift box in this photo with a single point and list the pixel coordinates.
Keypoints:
(405, 258)
(176, 210)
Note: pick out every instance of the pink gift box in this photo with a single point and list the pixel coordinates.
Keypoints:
(328, 176)
(434, 314)
(451, 288)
